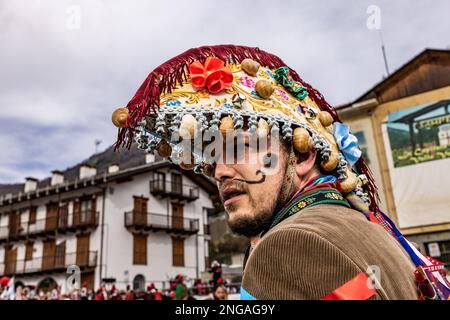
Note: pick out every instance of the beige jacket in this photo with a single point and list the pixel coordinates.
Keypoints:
(318, 249)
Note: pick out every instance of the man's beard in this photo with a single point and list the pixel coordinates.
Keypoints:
(251, 226)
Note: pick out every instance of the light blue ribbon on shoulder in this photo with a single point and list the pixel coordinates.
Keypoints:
(245, 295)
(347, 143)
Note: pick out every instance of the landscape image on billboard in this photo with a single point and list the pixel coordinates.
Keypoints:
(420, 134)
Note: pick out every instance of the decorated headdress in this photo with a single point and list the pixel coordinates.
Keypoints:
(231, 87)
(227, 87)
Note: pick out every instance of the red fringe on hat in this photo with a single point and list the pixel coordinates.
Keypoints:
(175, 71)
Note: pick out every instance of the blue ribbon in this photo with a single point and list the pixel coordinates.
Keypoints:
(347, 143)
(245, 295)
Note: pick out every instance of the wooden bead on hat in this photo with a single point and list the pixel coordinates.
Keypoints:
(264, 88)
(250, 66)
(350, 183)
(164, 149)
(188, 127)
(226, 124)
(331, 163)
(302, 140)
(119, 117)
(325, 118)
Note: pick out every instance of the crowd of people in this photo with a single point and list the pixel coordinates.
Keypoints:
(216, 289)
(179, 292)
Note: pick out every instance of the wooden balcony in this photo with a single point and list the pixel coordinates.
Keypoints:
(152, 222)
(163, 189)
(48, 227)
(49, 264)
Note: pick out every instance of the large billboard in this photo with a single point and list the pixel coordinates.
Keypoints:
(419, 134)
(417, 141)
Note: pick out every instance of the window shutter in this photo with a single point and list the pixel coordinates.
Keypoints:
(91, 216)
(139, 249)
(33, 214)
(60, 254)
(76, 212)
(178, 251)
(29, 251)
(140, 211)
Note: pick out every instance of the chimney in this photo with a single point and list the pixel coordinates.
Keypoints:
(87, 170)
(57, 177)
(113, 167)
(149, 158)
(30, 184)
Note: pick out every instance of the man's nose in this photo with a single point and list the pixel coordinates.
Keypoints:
(223, 172)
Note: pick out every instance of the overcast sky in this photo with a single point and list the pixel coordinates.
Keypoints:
(60, 80)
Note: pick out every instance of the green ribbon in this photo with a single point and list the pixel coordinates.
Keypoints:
(295, 88)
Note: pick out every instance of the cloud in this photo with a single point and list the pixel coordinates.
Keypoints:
(58, 86)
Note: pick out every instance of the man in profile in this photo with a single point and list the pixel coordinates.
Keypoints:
(307, 200)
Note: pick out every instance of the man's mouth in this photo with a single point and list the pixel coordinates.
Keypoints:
(231, 195)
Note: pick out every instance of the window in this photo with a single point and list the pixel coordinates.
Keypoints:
(140, 204)
(60, 254)
(63, 215)
(176, 183)
(33, 214)
(83, 245)
(85, 211)
(177, 216)
(178, 252)
(29, 251)
(139, 249)
(140, 211)
(86, 208)
(159, 181)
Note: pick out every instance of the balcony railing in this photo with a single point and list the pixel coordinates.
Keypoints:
(62, 223)
(146, 222)
(54, 263)
(174, 190)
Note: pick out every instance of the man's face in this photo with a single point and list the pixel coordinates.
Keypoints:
(248, 188)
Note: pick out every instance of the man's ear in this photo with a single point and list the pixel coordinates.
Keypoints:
(305, 163)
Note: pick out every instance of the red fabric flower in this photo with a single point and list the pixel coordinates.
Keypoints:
(213, 74)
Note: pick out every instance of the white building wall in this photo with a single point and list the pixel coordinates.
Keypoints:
(119, 241)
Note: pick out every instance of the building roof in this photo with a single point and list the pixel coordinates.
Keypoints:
(126, 159)
(429, 70)
(130, 162)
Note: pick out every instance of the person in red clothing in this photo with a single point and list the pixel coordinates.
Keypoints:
(158, 296)
(130, 294)
(99, 295)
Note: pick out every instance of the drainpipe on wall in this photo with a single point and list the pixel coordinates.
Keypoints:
(196, 256)
(102, 234)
